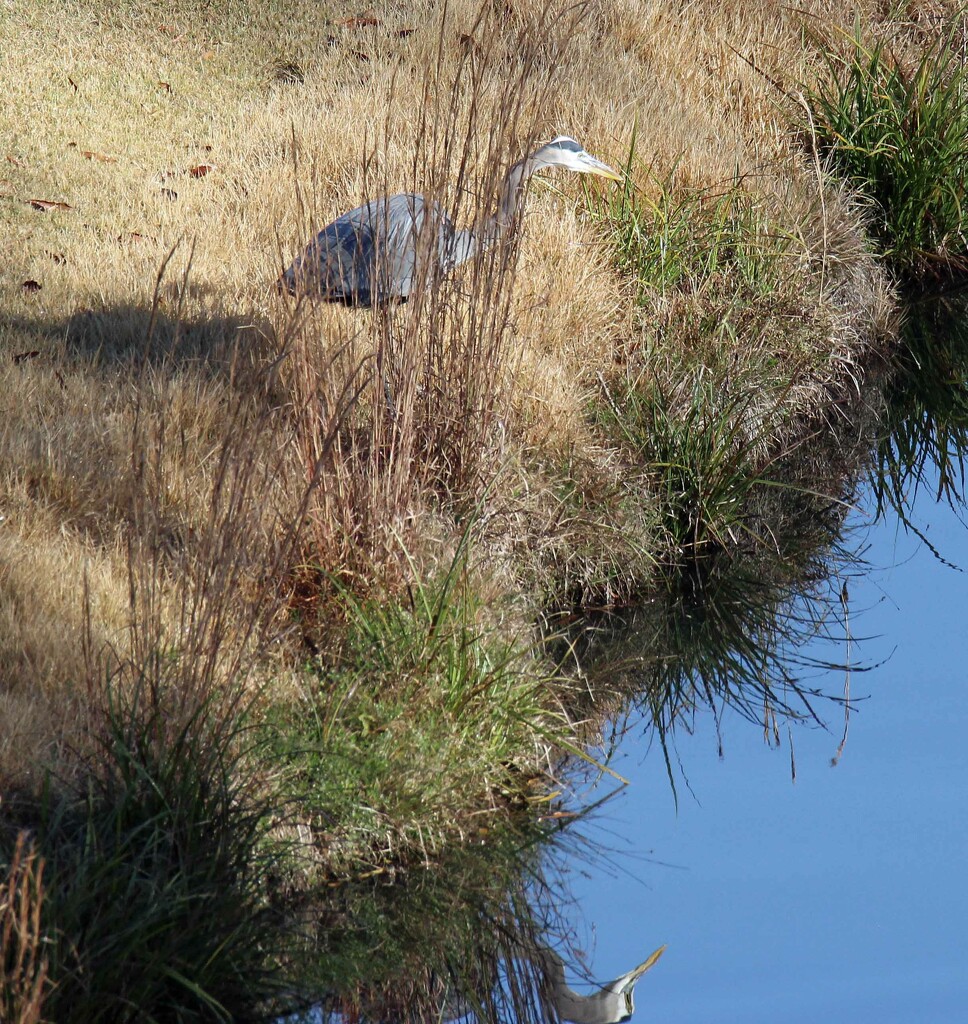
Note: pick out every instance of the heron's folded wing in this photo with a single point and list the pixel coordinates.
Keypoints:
(337, 263)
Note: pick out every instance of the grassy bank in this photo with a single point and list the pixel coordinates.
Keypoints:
(232, 589)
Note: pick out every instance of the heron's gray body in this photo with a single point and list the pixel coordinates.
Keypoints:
(369, 256)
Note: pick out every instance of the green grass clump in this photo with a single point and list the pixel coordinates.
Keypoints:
(669, 239)
(154, 906)
(410, 737)
(898, 130)
(723, 290)
(705, 453)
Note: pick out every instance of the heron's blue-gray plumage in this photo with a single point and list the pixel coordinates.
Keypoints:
(369, 255)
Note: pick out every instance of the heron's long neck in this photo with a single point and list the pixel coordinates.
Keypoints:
(512, 194)
(479, 239)
(603, 1006)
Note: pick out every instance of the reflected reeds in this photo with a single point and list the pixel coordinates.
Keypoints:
(476, 936)
(728, 634)
(924, 430)
(728, 627)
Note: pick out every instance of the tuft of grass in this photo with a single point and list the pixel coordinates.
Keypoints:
(705, 451)
(897, 129)
(410, 737)
(155, 903)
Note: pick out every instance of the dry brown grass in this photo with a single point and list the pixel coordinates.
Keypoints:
(96, 386)
(23, 966)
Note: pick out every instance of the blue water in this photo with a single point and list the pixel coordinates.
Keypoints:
(841, 895)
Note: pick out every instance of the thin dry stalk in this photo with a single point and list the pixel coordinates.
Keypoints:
(23, 967)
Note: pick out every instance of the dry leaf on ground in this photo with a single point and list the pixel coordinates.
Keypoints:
(48, 204)
(365, 20)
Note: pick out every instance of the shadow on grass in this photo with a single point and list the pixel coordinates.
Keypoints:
(137, 336)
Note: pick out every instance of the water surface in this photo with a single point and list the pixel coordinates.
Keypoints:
(841, 894)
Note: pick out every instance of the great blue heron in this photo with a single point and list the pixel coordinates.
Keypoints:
(370, 256)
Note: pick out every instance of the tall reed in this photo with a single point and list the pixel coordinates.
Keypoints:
(23, 962)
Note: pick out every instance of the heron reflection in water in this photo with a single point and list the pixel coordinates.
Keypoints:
(612, 1003)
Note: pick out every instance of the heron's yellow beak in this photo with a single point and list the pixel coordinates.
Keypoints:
(607, 172)
(595, 166)
(650, 963)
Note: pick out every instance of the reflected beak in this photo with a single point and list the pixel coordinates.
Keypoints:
(593, 166)
(633, 976)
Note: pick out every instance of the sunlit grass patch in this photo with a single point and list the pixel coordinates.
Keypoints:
(731, 341)
(666, 238)
(897, 128)
(417, 731)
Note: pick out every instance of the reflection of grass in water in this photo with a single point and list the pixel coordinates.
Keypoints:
(728, 636)
(729, 628)
(925, 430)
(438, 942)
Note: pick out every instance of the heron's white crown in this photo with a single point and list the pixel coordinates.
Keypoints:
(566, 142)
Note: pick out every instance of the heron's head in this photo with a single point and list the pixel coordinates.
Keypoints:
(565, 152)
